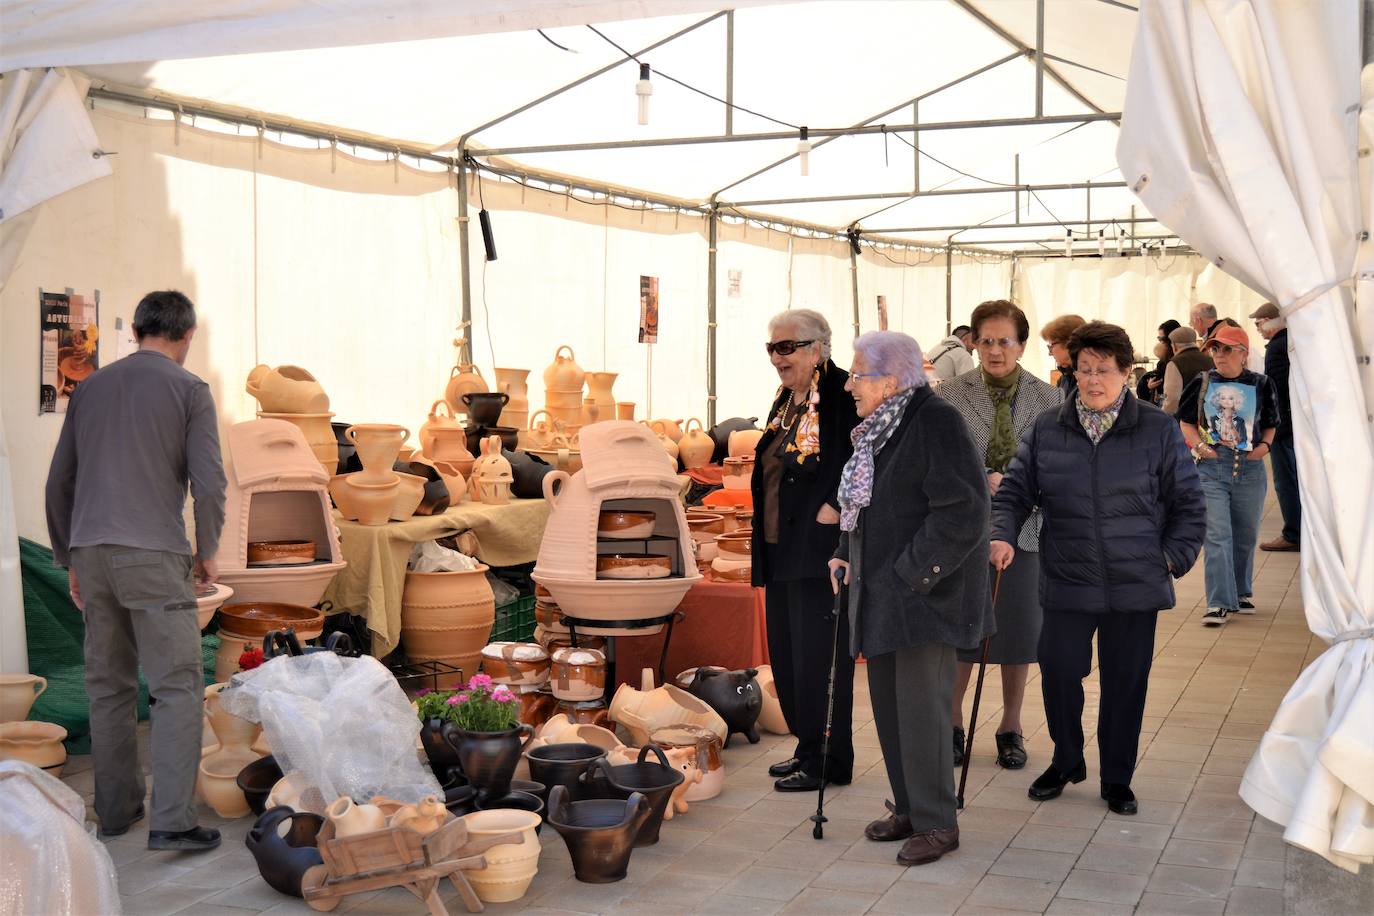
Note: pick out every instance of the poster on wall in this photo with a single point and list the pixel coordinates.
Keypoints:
(648, 309)
(69, 330)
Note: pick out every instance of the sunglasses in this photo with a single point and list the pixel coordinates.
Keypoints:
(786, 347)
(1226, 349)
(1005, 343)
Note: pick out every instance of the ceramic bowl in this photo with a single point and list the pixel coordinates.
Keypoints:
(254, 620)
(38, 743)
(409, 495)
(633, 566)
(280, 553)
(737, 545)
(619, 523)
(209, 600)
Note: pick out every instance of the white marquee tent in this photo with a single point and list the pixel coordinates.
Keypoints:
(296, 168)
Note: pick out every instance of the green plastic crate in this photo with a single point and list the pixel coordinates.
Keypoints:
(514, 621)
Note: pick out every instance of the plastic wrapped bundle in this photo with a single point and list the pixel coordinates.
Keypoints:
(342, 723)
(50, 862)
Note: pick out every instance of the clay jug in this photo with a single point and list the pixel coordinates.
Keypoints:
(599, 389)
(695, 447)
(463, 380)
(513, 382)
(590, 411)
(542, 433)
(231, 732)
(17, 693)
(564, 374)
(743, 442)
(448, 444)
(436, 419)
(425, 817)
(378, 446)
(671, 428)
(350, 818)
(284, 857)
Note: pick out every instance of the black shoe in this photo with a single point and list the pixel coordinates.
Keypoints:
(1120, 798)
(1011, 750)
(786, 768)
(193, 840)
(1247, 606)
(104, 831)
(959, 741)
(802, 782)
(1051, 783)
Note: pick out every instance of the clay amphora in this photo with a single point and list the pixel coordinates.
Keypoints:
(564, 374)
(350, 818)
(510, 866)
(17, 693)
(695, 447)
(284, 858)
(378, 444)
(600, 833)
(463, 380)
(488, 759)
(655, 780)
(599, 388)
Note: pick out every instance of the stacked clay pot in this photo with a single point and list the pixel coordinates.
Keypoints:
(374, 495)
(38, 743)
(599, 392)
(548, 616)
(446, 617)
(292, 394)
(734, 556)
(578, 674)
(563, 381)
(704, 527)
(516, 664)
(514, 384)
(220, 766)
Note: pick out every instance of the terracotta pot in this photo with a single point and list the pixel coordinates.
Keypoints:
(283, 857)
(463, 380)
(218, 781)
(17, 693)
(737, 545)
(536, 706)
(727, 572)
(624, 410)
(590, 412)
(707, 746)
(207, 603)
(743, 442)
(655, 780)
(558, 399)
(671, 428)
(564, 373)
(621, 523)
(378, 445)
(436, 420)
(681, 759)
(600, 833)
(695, 447)
(648, 709)
(410, 492)
(365, 503)
(668, 442)
(319, 435)
(770, 715)
(351, 819)
(510, 866)
(256, 781)
(578, 674)
(738, 473)
(633, 566)
(566, 460)
(283, 553)
(231, 646)
(488, 759)
(286, 389)
(447, 616)
(513, 382)
(585, 712)
(516, 664)
(38, 743)
(232, 734)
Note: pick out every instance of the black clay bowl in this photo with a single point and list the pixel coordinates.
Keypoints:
(256, 781)
(484, 407)
(521, 801)
(562, 764)
(461, 799)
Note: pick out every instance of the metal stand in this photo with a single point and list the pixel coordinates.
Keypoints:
(642, 623)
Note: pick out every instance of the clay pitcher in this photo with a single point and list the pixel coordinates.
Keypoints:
(17, 693)
(695, 447)
(448, 444)
(668, 443)
(599, 389)
(350, 818)
(463, 380)
(435, 419)
(564, 374)
(488, 759)
(513, 382)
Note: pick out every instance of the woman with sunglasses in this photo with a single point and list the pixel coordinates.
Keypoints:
(796, 524)
(998, 401)
(1122, 513)
(1229, 417)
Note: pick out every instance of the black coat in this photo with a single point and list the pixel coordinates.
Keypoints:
(1276, 368)
(1116, 515)
(919, 557)
(805, 546)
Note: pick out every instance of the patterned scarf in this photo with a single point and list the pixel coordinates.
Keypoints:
(805, 447)
(1002, 438)
(869, 437)
(1097, 422)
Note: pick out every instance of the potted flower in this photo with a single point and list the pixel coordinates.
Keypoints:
(480, 725)
(434, 710)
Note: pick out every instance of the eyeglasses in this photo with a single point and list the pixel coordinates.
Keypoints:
(868, 375)
(1096, 373)
(1004, 342)
(1227, 349)
(786, 347)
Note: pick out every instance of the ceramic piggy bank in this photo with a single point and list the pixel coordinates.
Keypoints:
(734, 695)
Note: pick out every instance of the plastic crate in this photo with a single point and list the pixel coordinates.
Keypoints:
(514, 621)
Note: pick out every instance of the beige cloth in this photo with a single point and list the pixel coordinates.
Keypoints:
(370, 586)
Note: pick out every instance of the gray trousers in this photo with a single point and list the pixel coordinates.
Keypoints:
(141, 610)
(911, 690)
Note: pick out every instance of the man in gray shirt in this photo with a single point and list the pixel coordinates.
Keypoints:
(136, 433)
(950, 357)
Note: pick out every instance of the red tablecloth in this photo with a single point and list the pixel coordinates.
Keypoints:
(724, 625)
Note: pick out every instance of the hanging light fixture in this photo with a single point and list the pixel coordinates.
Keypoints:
(804, 151)
(1068, 243)
(1102, 243)
(1116, 238)
(644, 89)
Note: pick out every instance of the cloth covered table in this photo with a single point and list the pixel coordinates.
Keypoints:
(370, 586)
(724, 625)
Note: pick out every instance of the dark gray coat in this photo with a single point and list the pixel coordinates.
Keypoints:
(918, 558)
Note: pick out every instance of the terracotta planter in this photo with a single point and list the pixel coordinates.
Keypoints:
(17, 693)
(738, 473)
(516, 664)
(443, 759)
(562, 764)
(319, 435)
(378, 446)
(410, 492)
(286, 389)
(578, 674)
(488, 759)
(38, 743)
(564, 373)
(600, 833)
(447, 616)
(464, 379)
(737, 545)
(283, 857)
(351, 819)
(510, 866)
(218, 781)
(770, 715)
(695, 447)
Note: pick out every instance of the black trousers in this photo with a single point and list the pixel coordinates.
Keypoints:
(1125, 651)
(801, 633)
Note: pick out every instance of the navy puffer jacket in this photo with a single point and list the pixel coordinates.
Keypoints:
(1118, 516)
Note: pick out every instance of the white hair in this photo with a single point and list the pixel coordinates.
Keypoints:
(893, 353)
(1205, 310)
(807, 324)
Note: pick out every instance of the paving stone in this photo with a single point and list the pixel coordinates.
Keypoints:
(1064, 906)
(1260, 873)
(679, 889)
(816, 902)
(1053, 839)
(771, 883)
(1120, 860)
(1203, 854)
(1191, 881)
(1254, 901)
(1127, 831)
(1033, 863)
(725, 861)
(754, 835)
(1216, 830)
(728, 905)
(1008, 893)
(1082, 884)
(1152, 904)
(952, 870)
(162, 899)
(908, 897)
(807, 854)
(1264, 846)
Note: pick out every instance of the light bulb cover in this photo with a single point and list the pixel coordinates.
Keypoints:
(1068, 243)
(804, 152)
(643, 89)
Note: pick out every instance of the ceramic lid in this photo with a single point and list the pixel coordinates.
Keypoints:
(570, 656)
(265, 450)
(519, 651)
(616, 452)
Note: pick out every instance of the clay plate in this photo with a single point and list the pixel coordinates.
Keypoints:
(633, 566)
(280, 553)
(615, 523)
(256, 619)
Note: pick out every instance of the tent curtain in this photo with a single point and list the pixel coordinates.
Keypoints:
(1243, 141)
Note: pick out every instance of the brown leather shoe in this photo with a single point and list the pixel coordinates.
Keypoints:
(1280, 545)
(893, 827)
(928, 846)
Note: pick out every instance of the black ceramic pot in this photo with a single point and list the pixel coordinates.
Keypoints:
(528, 472)
(443, 759)
(283, 859)
(488, 759)
(460, 799)
(348, 452)
(562, 765)
(656, 781)
(600, 833)
(522, 801)
(484, 407)
(256, 780)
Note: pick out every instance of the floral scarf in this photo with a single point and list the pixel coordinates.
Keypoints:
(805, 446)
(869, 437)
(1097, 422)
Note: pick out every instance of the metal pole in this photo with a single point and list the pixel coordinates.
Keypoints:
(949, 285)
(465, 272)
(712, 239)
(964, 227)
(730, 72)
(916, 147)
(940, 192)
(1039, 57)
(1083, 118)
(854, 284)
(1016, 180)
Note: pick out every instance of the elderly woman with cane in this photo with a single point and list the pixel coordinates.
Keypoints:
(913, 515)
(1122, 511)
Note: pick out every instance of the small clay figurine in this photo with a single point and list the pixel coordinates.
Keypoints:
(734, 695)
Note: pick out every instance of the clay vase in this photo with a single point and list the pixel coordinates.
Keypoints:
(436, 420)
(624, 410)
(257, 780)
(319, 435)
(366, 503)
(463, 380)
(484, 407)
(425, 817)
(695, 447)
(599, 389)
(17, 693)
(448, 444)
(562, 764)
(513, 382)
(447, 616)
(488, 759)
(378, 444)
(286, 389)
(443, 759)
(351, 819)
(770, 715)
(564, 374)
(283, 858)
(600, 833)
(510, 866)
(590, 412)
(231, 732)
(38, 743)
(656, 781)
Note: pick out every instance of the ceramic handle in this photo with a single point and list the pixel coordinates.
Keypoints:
(553, 482)
(658, 752)
(283, 440)
(433, 409)
(351, 434)
(40, 684)
(528, 732)
(405, 433)
(695, 420)
(571, 354)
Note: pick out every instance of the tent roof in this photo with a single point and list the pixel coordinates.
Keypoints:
(821, 64)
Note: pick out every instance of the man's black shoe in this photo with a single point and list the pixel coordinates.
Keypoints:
(801, 782)
(195, 839)
(1051, 783)
(786, 768)
(105, 832)
(1120, 798)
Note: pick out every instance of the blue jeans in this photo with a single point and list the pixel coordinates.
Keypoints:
(1285, 462)
(1235, 490)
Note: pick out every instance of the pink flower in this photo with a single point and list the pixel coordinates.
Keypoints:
(479, 681)
(502, 694)
(424, 691)
(461, 698)
(452, 701)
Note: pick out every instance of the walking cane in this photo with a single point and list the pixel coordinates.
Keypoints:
(978, 694)
(819, 817)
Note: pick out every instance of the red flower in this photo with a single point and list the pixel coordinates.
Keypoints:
(250, 659)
